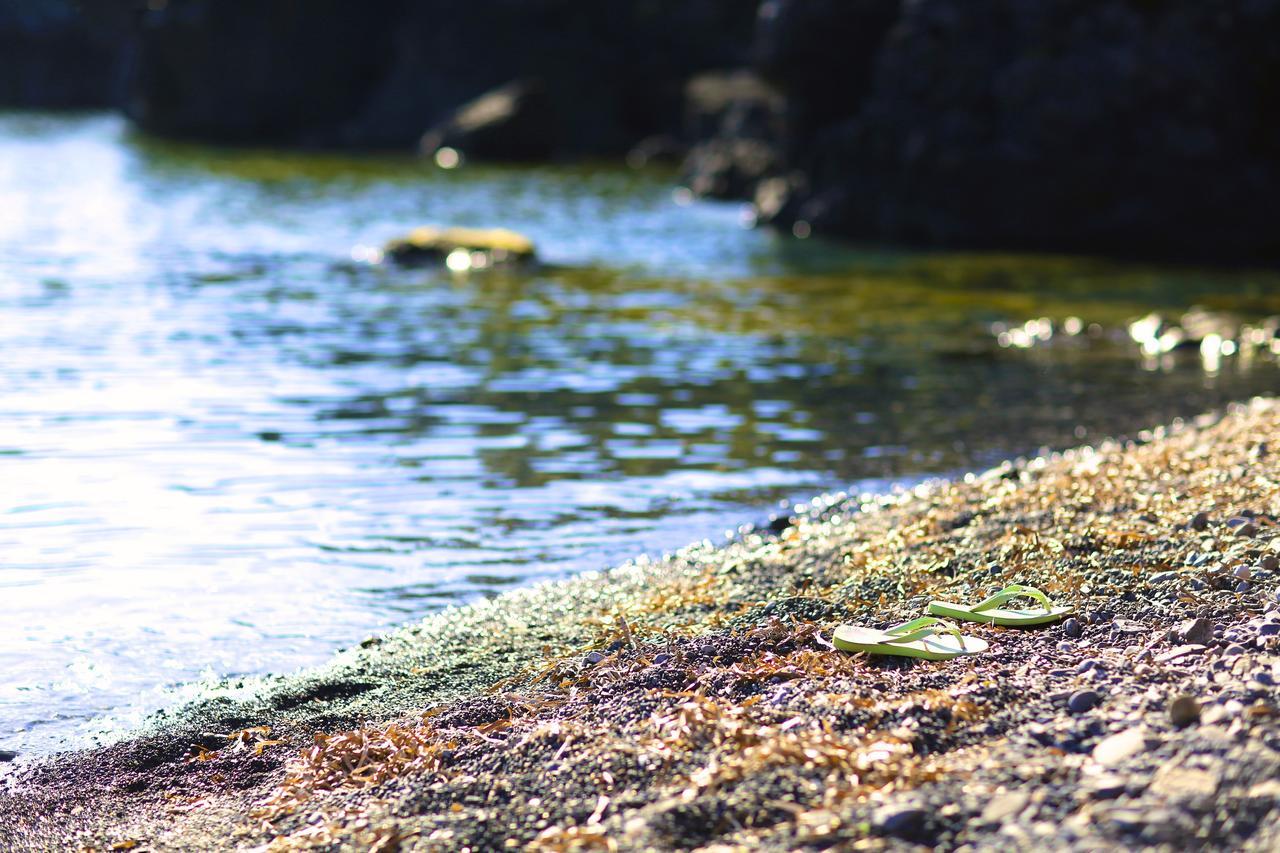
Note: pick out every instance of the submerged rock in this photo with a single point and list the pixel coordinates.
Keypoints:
(461, 249)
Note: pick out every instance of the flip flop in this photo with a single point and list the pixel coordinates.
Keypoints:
(926, 637)
(989, 609)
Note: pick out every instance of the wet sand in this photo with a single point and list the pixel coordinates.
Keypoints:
(696, 702)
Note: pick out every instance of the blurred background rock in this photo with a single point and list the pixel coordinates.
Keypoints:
(1134, 128)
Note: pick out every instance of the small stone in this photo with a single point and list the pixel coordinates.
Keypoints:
(1082, 701)
(1179, 651)
(1243, 587)
(1086, 665)
(907, 822)
(1107, 786)
(593, 658)
(1269, 562)
(1164, 577)
(1233, 650)
(1184, 710)
(661, 658)
(1072, 628)
(1004, 806)
(7, 755)
(1199, 521)
(1120, 747)
(1196, 631)
(1066, 646)
(1242, 573)
(1247, 530)
(1181, 783)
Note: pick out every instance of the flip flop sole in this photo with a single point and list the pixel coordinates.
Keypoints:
(998, 615)
(853, 639)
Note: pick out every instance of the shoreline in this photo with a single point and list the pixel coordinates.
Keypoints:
(695, 701)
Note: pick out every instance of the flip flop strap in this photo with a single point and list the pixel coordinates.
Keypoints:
(919, 629)
(1012, 591)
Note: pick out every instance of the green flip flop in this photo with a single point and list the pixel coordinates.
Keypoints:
(926, 637)
(990, 610)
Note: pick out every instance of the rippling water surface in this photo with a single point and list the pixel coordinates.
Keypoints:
(227, 449)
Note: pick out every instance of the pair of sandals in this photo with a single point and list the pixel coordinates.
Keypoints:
(932, 638)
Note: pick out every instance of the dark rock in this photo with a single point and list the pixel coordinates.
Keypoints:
(1082, 701)
(381, 73)
(660, 149)
(978, 125)
(906, 822)
(7, 755)
(593, 658)
(1199, 521)
(1071, 628)
(514, 122)
(1233, 650)
(1184, 710)
(736, 119)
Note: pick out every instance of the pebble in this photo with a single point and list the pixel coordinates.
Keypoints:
(7, 755)
(1184, 710)
(1199, 521)
(1269, 562)
(1066, 646)
(593, 658)
(901, 821)
(1072, 628)
(1233, 649)
(1243, 587)
(1087, 665)
(1118, 748)
(1004, 806)
(1242, 573)
(1164, 577)
(1083, 700)
(1198, 631)
(1249, 529)
(661, 658)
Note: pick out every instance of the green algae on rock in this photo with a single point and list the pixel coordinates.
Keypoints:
(462, 249)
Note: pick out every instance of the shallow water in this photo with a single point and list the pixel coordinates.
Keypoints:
(226, 449)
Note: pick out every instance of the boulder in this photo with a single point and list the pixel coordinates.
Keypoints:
(1116, 128)
(461, 249)
(383, 72)
(514, 122)
(738, 117)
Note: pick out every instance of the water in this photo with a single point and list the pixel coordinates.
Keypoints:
(225, 449)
